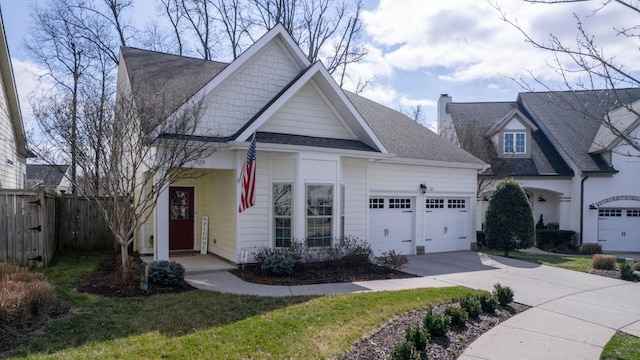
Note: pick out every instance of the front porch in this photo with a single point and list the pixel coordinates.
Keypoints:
(198, 263)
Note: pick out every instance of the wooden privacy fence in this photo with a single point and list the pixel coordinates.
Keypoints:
(27, 227)
(92, 234)
(35, 224)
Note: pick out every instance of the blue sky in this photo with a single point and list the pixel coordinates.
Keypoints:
(418, 49)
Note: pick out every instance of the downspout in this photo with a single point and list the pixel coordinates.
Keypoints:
(586, 176)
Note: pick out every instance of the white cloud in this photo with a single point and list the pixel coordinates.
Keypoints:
(29, 82)
(466, 40)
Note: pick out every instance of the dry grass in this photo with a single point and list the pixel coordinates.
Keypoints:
(604, 262)
(25, 299)
(590, 249)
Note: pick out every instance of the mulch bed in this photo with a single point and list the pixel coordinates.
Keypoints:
(321, 273)
(106, 280)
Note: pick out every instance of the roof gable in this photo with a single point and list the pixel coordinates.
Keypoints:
(624, 119)
(308, 112)
(572, 119)
(333, 97)
(514, 115)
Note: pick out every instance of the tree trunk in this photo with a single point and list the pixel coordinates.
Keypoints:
(124, 256)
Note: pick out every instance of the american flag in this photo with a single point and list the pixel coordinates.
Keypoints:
(248, 195)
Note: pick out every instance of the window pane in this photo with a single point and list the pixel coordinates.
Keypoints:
(282, 199)
(318, 232)
(508, 143)
(283, 232)
(319, 215)
(520, 143)
(282, 214)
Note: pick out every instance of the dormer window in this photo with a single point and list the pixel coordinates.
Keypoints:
(515, 142)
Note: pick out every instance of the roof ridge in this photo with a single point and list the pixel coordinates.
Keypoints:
(174, 55)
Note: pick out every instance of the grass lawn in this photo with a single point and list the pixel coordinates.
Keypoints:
(575, 263)
(622, 347)
(205, 324)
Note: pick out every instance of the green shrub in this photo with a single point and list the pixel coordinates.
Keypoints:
(481, 239)
(166, 272)
(471, 304)
(556, 240)
(436, 324)
(509, 221)
(405, 351)
(278, 265)
(603, 262)
(590, 249)
(489, 303)
(626, 273)
(418, 336)
(459, 316)
(503, 294)
(347, 250)
(390, 259)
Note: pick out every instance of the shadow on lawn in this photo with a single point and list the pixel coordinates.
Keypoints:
(95, 319)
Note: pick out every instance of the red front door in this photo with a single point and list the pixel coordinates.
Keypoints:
(181, 218)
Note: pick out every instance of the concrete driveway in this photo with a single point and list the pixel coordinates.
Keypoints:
(573, 316)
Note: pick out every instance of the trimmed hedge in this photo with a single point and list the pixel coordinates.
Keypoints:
(555, 240)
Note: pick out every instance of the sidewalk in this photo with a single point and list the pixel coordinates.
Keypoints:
(573, 314)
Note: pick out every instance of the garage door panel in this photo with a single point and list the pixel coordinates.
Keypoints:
(392, 224)
(446, 224)
(619, 229)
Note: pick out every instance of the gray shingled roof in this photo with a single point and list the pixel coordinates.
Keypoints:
(152, 73)
(573, 119)
(406, 138)
(48, 176)
(473, 120)
(171, 78)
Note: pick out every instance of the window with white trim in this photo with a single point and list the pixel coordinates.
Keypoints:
(319, 215)
(456, 203)
(610, 212)
(633, 213)
(342, 210)
(435, 203)
(400, 203)
(515, 143)
(376, 203)
(282, 206)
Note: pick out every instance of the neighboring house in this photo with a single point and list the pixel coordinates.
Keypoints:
(329, 163)
(13, 142)
(575, 172)
(54, 178)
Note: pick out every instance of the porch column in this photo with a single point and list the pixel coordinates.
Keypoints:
(161, 224)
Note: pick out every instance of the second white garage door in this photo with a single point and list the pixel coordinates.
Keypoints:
(446, 225)
(392, 224)
(619, 229)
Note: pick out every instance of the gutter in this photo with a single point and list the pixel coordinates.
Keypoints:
(586, 176)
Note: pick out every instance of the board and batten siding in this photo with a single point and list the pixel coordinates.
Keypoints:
(354, 178)
(222, 208)
(407, 178)
(254, 223)
(306, 113)
(249, 90)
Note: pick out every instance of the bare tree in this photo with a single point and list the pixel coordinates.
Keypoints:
(589, 59)
(151, 147)
(326, 30)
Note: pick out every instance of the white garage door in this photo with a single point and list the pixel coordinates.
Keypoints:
(391, 224)
(619, 229)
(446, 224)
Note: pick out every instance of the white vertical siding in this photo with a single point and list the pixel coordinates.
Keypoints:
(354, 178)
(306, 113)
